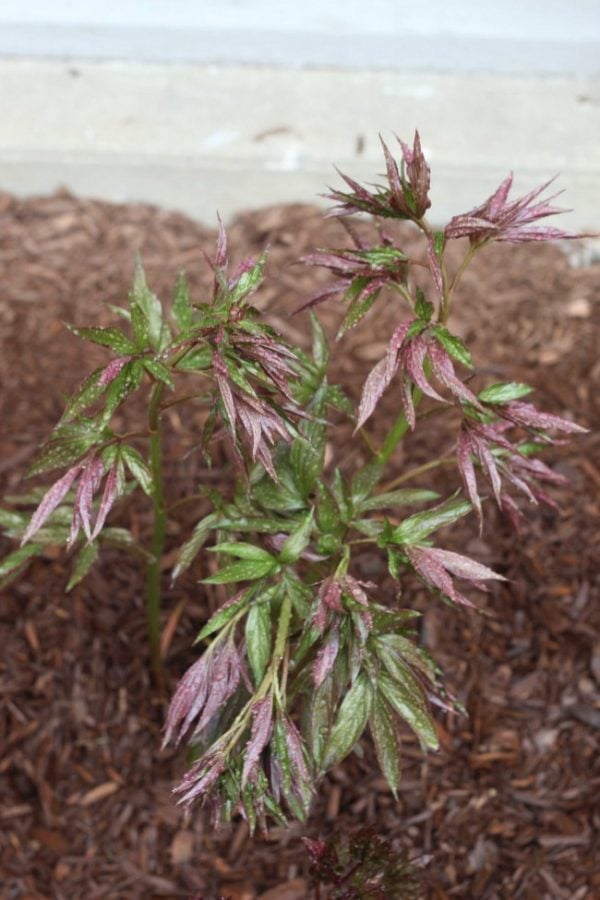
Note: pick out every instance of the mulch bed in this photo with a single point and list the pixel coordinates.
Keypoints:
(507, 809)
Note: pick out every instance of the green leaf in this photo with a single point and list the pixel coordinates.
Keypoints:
(106, 337)
(194, 544)
(243, 551)
(320, 720)
(387, 741)
(350, 723)
(258, 639)
(336, 397)
(85, 559)
(298, 540)
(417, 527)
(16, 559)
(504, 393)
(396, 645)
(328, 514)
(383, 256)
(196, 359)
(338, 489)
(182, 307)
(365, 480)
(127, 381)
(409, 701)
(159, 371)
(359, 307)
(282, 497)
(401, 497)
(300, 594)
(85, 395)
(138, 468)
(454, 346)
(143, 301)
(423, 307)
(249, 281)
(320, 347)
(62, 452)
(223, 616)
(439, 239)
(244, 570)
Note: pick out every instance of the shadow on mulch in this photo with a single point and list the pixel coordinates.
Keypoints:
(507, 809)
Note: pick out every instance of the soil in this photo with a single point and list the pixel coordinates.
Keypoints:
(508, 808)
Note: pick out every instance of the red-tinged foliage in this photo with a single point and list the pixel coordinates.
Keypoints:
(262, 718)
(500, 220)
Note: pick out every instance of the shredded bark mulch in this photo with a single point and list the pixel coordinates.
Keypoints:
(508, 808)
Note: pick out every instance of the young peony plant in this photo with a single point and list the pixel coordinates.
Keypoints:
(304, 655)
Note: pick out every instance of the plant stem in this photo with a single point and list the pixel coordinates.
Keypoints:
(396, 433)
(448, 461)
(158, 534)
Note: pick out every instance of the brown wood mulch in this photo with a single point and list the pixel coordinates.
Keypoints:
(507, 809)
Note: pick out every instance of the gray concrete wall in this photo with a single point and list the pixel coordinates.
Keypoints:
(534, 36)
(236, 104)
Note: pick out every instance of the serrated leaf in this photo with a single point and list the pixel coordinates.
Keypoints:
(258, 639)
(159, 371)
(359, 307)
(182, 308)
(454, 346)
(52, 498)
(401, 497)
(62, 452)
(87, 393)
(423, 307)
(328, 514)
(244, 570)
(298, 540)
(84, 561)
(409, 701)
(194, 544)
(365, 480)
(243, 551)
(350, 723)
(320, 347)
(249, 281)
(387, 741)
(106, 337)
(320, 720)
(223, 616)
(419, 526)
(138, 468)
(14, 560)
(195, 360)
(149, 305)
(336, 397)
(504, 392)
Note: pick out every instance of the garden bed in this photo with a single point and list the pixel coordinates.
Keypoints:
(507, 808)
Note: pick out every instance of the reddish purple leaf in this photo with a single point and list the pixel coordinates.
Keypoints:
(326, 658)
(89, 483)
(112, 370)
(412, 359)
(262, 716)
(462, 566)
(527, 415)
(433, 572)
(189, 698)
(111, 492)
(50, 501)
(464, 449)
(444, 370)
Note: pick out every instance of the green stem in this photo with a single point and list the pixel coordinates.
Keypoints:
(396, 433)
(419, 470)
(158, 534)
